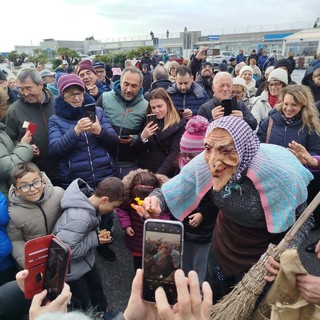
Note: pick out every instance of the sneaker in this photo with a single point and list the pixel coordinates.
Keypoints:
(107, 253)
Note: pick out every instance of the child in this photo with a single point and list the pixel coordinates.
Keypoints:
(7, 268)
(34, 207)
(139, 184)
(78, 228)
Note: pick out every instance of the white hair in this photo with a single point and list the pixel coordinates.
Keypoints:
(74, 315)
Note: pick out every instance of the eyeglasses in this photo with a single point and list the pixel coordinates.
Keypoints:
(37, 184)
(274, 84)
(73, 96)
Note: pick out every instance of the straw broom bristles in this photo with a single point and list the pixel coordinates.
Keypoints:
(240, 302)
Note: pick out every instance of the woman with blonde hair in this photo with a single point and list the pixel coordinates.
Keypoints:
(158, 144)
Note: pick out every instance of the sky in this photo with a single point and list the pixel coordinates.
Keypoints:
(29, 22)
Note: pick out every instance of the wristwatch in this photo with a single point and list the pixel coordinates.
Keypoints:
(144, 140)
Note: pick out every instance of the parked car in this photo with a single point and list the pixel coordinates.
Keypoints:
(7, 70)
(176, 57)
(223, 57)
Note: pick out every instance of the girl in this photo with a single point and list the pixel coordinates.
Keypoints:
(139, 184)
(158, 143)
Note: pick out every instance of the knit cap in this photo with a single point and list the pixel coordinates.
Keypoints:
(116, 71)
(284, 63)
(239, 82)
(278, 74)
(192, 139)
(68, 80)
(85, 65)
(245, 68)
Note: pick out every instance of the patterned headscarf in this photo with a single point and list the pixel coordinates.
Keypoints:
(245, 140)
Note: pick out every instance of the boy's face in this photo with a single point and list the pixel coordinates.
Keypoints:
(106, 206)
(30, 187)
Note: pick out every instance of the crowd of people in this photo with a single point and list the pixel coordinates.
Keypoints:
(222, 147)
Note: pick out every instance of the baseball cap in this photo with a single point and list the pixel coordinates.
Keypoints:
(46, 72)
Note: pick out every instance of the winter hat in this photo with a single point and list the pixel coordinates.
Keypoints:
(245, 68)
(284, 63)
(269, 69)
(279, 74)
(68, 80)
(85, 65)
(239, 82)
(223, 67)
(206, 64)
(192, 139)
(116, 71)
(232, 59)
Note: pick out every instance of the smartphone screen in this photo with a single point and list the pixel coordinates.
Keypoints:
(227, 104)
(162, 256)
(56, 270)
(152, 118)
(90, 111)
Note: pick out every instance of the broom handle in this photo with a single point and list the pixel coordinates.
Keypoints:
(301, 220)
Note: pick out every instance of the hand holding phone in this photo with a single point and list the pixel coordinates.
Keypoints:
(152, 118)
(162, 256)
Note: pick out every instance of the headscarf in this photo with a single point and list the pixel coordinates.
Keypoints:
(245, 140)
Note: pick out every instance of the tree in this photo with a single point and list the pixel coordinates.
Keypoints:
(17, 59)
(89, 38)
(70, 55)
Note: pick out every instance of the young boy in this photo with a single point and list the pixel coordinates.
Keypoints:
(78, 228)
(34, 207)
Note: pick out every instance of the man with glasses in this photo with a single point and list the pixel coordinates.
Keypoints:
(34, 207)
(101, 72)
(34, 106)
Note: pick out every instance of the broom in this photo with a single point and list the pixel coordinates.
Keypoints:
(239, 303)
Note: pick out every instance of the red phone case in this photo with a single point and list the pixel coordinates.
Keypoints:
(36, 256)
(32, 127)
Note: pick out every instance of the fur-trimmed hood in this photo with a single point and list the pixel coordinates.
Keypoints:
(130, 176)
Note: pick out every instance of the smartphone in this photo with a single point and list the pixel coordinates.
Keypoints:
(57, 268)
(152, 118)
(227, 104)
(162, 256)
(124, 136)
(209, 52)
(90, 111)
(234, 103)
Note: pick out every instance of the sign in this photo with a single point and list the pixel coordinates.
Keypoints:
(48, 50)
(213, 37)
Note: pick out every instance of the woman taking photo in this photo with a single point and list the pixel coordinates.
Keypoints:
(159, 142)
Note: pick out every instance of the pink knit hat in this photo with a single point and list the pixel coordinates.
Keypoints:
(68, 80)
(86, 65)
(192, 139)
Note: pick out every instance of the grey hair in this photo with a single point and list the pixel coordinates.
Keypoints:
(31, 73)
(160, 73)
(74, 315)
(132, 70)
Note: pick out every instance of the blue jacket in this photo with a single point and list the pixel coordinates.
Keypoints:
(192, 99)
(6, 260)
(87, 156)
(282, 133)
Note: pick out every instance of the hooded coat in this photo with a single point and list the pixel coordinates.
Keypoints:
(10, 156)
(32, 220)
(78, 228)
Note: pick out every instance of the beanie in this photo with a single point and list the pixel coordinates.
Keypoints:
(68, 80)
(284, 63)
(85, 65)
(223, 67)
(116, 71)
(239, 82)
(192, 139)
(278, 74)
(269, 69)
(245, 68)
(207, 63)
